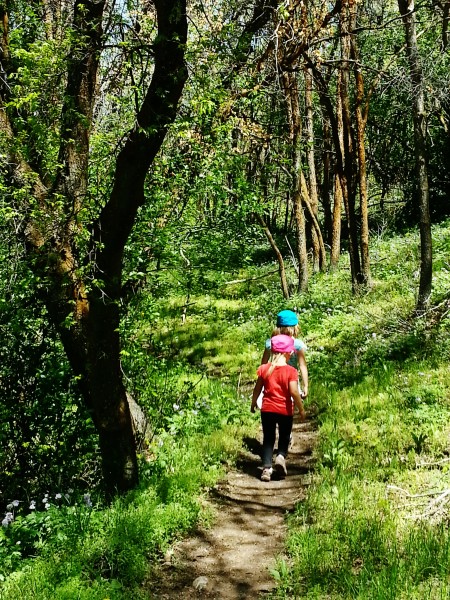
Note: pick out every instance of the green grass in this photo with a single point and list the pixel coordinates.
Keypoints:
(380, 390)
(381, 384)
(107, 551)
(380, 387)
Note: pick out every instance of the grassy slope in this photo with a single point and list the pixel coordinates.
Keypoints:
(379, 389)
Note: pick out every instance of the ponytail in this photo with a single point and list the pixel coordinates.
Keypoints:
(275, 359)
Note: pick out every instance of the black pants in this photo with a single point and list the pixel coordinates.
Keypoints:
(269, 421)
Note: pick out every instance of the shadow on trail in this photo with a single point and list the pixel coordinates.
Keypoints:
(234, 557)
(252, 445)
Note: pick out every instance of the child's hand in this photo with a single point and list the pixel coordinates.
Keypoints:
(253, 408)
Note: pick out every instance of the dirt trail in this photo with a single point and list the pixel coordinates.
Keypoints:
(232, 559)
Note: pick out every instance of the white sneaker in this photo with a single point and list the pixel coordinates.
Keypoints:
(266, 474)
(280, 465)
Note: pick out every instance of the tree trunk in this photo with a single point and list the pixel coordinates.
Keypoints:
(318, 257)
(314, 221)
(327, 179)
(281, 268)
(336, 230)
(291, 93)
(406, 8)
(348, 182)
(88, 317)
(336, 121)
(361, 152)
(445, 23)
(338, 180)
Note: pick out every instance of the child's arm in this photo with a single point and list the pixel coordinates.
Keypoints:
(266, 353)
(265, 357)
(295, 394)
(303, 371)
(256, 392)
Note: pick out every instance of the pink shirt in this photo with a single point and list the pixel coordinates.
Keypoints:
(276, 394)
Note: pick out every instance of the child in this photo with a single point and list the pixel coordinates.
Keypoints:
(280, 383)
(287, 323)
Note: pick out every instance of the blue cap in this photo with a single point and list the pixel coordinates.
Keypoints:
(287, 318)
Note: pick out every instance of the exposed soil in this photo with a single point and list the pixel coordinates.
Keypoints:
(232, 560)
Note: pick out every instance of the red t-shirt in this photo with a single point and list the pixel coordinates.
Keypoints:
(276, 394)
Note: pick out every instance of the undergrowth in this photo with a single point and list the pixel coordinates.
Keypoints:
(374, 525)
(379, 391)
(66, 547)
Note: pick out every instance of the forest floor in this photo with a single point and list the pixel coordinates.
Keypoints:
(233, 558)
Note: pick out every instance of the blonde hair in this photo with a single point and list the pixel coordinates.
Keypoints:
(275, 359)
(293, 331)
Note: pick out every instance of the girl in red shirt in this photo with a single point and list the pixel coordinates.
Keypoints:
(280, 384)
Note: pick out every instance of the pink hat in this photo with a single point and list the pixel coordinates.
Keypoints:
(282, 343)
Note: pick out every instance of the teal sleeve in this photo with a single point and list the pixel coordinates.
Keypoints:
(299, 345)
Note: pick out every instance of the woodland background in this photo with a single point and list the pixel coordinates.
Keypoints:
(152, 153)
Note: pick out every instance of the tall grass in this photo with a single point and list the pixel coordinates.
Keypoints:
(380, 386)
(380, 395)
(79, 549)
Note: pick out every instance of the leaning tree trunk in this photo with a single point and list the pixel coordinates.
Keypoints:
(116, 220)
(90, 335)
(406, 8)
(314, 220)
(281, 267)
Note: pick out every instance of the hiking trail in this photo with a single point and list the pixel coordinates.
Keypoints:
(233, 558)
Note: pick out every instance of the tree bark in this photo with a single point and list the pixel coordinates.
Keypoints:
(319, 259)
(291, 94)
(327, 179)
(314, 221)
(91, 335)
(339, 181)
(336, 230)
(348, 182)
(406, 8)
(361, 153)
(281, 268)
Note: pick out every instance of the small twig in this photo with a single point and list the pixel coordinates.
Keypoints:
(431, 309)
(433, 464)
(399, 489)
(250, 278)
(294, 264)
(185, 258)
(440, 498)
(411, 505)
(436, 505)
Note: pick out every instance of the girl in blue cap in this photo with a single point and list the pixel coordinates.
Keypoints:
(287, 324)
(278, 382)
